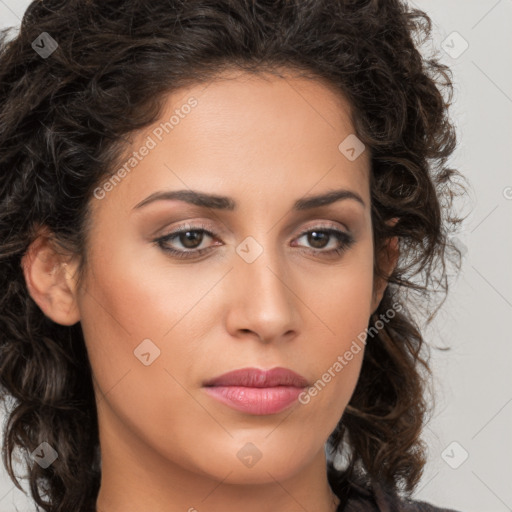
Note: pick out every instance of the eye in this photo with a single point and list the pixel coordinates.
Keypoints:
(192, 237)
(320, 237)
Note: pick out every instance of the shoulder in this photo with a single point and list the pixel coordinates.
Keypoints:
(379, 499)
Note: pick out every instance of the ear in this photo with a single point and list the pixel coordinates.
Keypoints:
(50, 279)
(388, 258)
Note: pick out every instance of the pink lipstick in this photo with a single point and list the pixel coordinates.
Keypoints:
(256, 391)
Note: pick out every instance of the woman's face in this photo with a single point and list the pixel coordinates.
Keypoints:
(261, 287)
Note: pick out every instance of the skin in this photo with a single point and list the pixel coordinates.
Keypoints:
(165, 444)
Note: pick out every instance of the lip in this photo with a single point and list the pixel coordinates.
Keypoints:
(255, 391)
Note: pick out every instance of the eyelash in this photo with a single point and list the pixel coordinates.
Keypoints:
(345, 240)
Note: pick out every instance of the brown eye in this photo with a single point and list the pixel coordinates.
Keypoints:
(319, 238)
(190, 239)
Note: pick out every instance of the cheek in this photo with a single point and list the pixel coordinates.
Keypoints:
(118, 310)
(132, 296)
(135, 298)
(343, 306)
(126, 310)
(342, 295)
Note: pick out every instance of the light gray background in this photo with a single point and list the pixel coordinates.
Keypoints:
(473, 379)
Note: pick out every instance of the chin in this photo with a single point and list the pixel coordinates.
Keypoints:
(244, 463)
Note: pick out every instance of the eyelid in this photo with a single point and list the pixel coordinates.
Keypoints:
(344, 237)
(325, 225)
(212, 231)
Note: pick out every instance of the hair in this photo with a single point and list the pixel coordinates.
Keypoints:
(65, 121)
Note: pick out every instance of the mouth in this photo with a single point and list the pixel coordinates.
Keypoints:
(255, 391)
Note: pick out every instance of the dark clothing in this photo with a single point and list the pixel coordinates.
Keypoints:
(382, 501)
(357, 497)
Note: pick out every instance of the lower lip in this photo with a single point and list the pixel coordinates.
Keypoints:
(258, 401)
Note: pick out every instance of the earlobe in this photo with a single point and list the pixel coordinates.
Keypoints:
(50, 281)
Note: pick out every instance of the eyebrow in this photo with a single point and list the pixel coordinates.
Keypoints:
(227, 203)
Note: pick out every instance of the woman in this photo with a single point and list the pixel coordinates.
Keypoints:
(216, 218)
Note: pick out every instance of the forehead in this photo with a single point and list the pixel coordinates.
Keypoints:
(263, 134)
(263, 103)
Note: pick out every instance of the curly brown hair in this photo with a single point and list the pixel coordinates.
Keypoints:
(64, 122)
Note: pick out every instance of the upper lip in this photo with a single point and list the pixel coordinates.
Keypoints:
(256, 378)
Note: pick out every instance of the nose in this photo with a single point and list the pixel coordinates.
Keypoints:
(262, 301)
